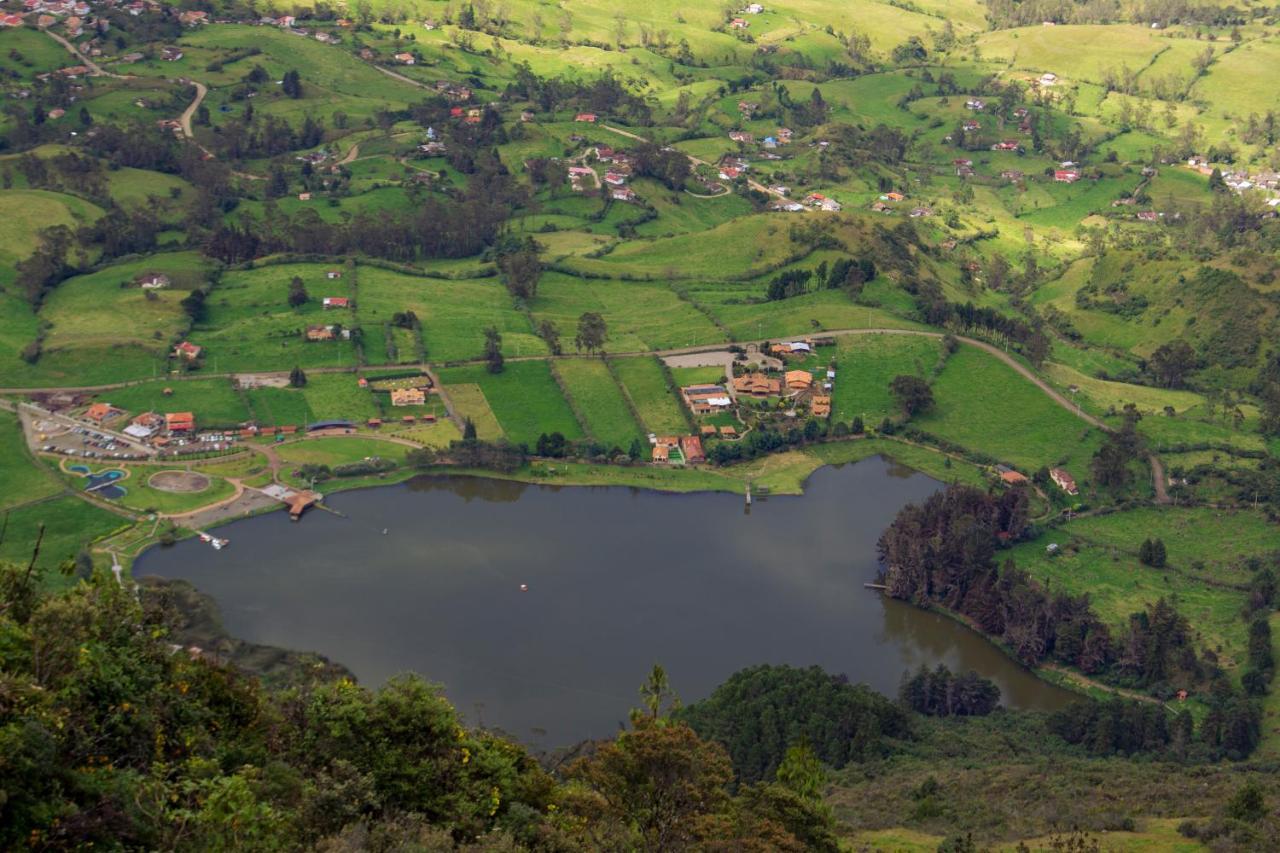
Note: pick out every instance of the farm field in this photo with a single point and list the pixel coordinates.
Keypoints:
(597, 396)
(524, 398)
(646, 385)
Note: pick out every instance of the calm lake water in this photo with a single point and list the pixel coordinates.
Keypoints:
(618, 579)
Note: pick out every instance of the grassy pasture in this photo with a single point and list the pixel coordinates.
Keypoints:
(639, 316)
(983, 404)
(600, 401)
(70, 524)
(104, 309)
(337, 395)
(454, 314)
(336, 450)
(470, 404)
(1076, 52)
(1205, 546)
(24, 479)
(250, 325)
(866, 364)
(213, 401)
(646, 384)
(1231, 84)
(25, 52)
(812, 312)
(279, 406)
(25, 212)
(524, 398)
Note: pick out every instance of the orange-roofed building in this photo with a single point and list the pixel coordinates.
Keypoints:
(728, 432)
(1013, 478)
(691, 449)
(820, 406)
(661, 453)
(799, 380)
(98, 411)
(757, 385)
(179, 421)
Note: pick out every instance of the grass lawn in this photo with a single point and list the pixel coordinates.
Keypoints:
(524, 398)
(215, 402)
(336, 450)
(982, 404)
(141, 496)
(470, 404)
(686, 376)
(23, 477)
(646, 385)
(866, 364)
(439, 434)
(600, 400)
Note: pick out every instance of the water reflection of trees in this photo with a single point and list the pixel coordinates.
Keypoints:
(929, 638)
(484, 489)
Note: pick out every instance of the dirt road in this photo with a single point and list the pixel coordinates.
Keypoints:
(185, 118)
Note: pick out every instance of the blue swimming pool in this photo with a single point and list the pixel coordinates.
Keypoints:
(79, 469)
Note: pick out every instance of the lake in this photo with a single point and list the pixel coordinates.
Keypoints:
(618, 579)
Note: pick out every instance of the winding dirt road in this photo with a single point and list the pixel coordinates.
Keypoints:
(185, 118)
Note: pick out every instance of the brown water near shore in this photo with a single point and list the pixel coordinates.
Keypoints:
(618, 579)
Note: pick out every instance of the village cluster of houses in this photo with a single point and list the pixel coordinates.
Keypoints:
(1241, 181)
(795, 385)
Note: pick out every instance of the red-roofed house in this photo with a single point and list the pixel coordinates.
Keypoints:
(1066, 176)
(589, 118)
(1064, 481)
(337, 302)
(691, 449)
(187, 350)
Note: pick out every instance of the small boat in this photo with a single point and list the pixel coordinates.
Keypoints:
(524, 587)
(219, 544)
